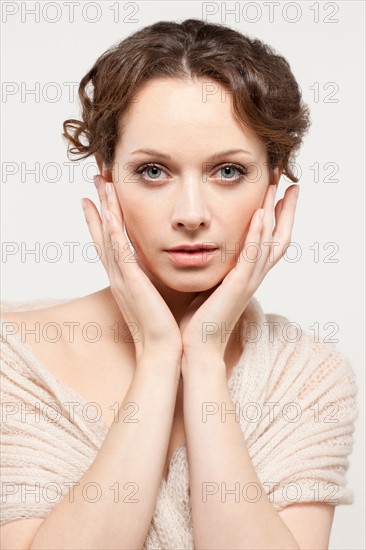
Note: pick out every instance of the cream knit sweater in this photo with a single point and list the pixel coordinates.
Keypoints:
(296, 402)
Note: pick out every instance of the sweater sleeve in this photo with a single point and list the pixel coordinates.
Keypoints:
(309, 435)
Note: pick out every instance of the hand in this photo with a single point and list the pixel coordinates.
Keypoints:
(137, 298)
(223, 305)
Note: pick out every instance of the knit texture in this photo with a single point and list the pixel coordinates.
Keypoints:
(296, 403)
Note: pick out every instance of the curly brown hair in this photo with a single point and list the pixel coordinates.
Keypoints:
(266, 97)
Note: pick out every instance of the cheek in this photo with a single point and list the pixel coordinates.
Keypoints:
(130, 208)
(244, 206)
(240, 216)
(139, 226)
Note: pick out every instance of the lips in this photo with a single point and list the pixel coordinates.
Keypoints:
(193, 248)
(193, 257)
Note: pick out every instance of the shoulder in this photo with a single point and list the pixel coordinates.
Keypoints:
(33, 332)
(16, 312)
(319, 360)
(299, 366)
(42, 317)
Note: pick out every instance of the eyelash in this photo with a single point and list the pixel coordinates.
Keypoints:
(231, 181)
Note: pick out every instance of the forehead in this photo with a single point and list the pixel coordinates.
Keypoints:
(182, 112)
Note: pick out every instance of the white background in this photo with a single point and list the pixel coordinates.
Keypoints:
(323, 42)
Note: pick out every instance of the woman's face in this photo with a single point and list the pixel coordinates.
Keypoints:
(189, 197)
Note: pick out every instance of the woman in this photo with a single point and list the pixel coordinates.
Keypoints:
(192, 126)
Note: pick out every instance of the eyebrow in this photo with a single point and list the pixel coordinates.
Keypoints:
(215, 156)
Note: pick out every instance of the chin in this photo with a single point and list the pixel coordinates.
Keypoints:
(191, 281)
(191, 288)
(184, 280)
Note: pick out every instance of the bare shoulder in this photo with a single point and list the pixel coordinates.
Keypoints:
(85, 318)
(40, 315)
(82, 342)
(52, 333)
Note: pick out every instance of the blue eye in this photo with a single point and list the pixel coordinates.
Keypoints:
(153, 168)
(240, 170)
(145, 167)
(236, 167)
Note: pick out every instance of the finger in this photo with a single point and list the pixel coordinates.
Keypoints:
(284, 225)
(100, 182)
(123, 259)
(266, 233)
(112, 202)
(108, 205)
(268, 206)
(118, 248)
(249, 254)
(278, 209)
(95, 229)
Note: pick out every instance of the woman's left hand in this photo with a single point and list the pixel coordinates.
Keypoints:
(210, 318)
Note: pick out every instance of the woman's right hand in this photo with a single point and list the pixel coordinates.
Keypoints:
(138, 300)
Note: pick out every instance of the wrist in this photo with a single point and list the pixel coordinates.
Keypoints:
(161, 363)
(206, 364)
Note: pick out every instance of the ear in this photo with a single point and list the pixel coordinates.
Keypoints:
(102, 169)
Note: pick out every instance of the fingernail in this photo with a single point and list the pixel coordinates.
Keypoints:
(108, 188)
(261, 213)
(297, 191)
(83, 204)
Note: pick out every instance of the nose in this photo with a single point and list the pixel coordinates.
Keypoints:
(191, 209)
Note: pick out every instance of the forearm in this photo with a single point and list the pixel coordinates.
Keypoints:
(226, 511)
(127, 470)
